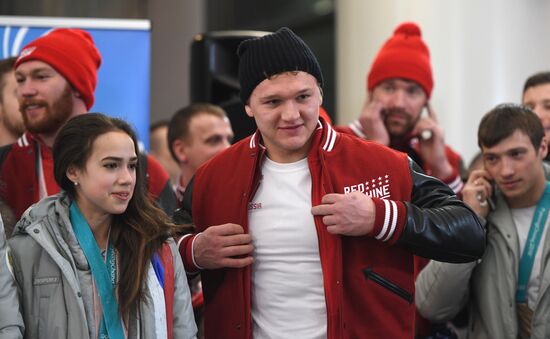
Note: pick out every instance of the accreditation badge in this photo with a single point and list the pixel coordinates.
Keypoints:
(525, 318)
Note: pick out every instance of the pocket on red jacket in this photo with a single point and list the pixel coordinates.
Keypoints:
(387, 284)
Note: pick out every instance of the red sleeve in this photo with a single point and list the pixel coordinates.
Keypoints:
(185, 247)
(454, 181)
(454, 159)
(389, 220)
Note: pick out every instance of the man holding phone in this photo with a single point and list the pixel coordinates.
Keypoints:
(399, 86)
(506, 291)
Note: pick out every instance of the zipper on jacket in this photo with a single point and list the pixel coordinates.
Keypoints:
(252, 188)
(380, 280)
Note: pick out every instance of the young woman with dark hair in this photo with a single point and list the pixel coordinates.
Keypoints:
(98, 259)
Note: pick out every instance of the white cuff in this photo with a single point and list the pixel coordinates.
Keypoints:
(193, 251)
(456, 185)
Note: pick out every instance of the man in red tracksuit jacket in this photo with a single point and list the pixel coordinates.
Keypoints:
(308, 233)
(399, 87)
(56, 77)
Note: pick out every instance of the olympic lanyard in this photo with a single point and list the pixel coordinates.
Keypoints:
(104, 274)
(532, 244)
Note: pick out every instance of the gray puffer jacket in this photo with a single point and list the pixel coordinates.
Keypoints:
(55, 282)
(11, 322)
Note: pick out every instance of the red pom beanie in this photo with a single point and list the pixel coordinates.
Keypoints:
(72, 53)
(404, 55)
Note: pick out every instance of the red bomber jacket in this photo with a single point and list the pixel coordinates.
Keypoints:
(368, 280)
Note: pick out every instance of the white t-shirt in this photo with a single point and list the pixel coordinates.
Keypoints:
(522, 220)
(288, 299)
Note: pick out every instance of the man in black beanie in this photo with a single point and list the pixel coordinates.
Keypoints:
(297, 221)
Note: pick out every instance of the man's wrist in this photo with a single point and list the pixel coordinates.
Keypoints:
(185, 248)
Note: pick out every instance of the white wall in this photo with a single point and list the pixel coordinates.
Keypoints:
(174, 23)
(482, 51)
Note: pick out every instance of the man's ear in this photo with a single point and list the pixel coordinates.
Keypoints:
(76, 93)
(369, 95)
(179, 148)
(543, 149)
(248, 111)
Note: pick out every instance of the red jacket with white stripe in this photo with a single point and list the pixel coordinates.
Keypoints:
(368, 280)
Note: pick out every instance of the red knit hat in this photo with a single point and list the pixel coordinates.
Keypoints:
(72, 53)
(404, 55)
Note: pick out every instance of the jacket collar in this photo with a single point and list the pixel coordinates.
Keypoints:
(25, 140)
(29, 139)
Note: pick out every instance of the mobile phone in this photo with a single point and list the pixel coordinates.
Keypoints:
(489, 200)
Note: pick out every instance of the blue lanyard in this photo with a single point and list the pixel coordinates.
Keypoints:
(532, 244)
(104, 274)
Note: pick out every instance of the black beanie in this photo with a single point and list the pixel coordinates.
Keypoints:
(282, 51)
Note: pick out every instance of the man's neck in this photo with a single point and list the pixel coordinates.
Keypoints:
(402, 145)
(6, 136)
(186, 175)
(49, 138)
(399, 143)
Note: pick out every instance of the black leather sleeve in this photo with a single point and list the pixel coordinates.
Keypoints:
(439, 225)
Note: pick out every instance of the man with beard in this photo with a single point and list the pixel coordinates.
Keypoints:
(56, 77)
(11, 122)
(399, 86)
